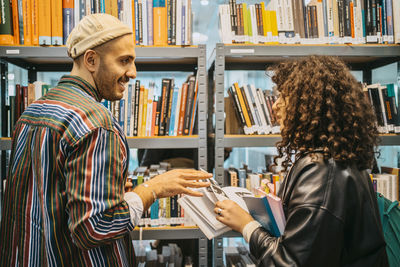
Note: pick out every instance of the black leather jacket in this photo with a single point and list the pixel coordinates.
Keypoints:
(332, 219)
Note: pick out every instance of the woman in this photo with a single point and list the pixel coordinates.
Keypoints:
(328, 127)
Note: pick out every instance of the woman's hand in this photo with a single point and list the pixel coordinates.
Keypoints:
(231, 214)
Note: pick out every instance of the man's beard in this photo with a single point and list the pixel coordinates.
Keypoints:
(105, 85)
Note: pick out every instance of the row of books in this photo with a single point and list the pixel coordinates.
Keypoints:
(253, 109)
(246, 178)
(311, 22)
(49, 22)
(142, 113)
(164, 211)
(18, 98)
(387, 183)
(383, 101)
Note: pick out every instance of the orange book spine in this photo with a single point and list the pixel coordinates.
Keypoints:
(182, 109)
(160, 25)
(352, 19)
(27, 21)
(14, 5)
(242, 104)
(44, 22)
(35, 22)
(133, 21)
(153, 119)
(56, 22)
(193, 113)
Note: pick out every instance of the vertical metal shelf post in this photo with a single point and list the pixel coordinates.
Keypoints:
(202, 128)
(219, 138)
(219, 113)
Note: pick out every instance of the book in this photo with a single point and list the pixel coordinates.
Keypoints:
(201, 209)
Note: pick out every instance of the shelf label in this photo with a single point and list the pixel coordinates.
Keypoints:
(242, 51)
(12, 52)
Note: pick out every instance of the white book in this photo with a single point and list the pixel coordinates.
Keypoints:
(254, 30)
(280, 15)
(383, 182)
(178, 108)
(38, 89)
(225, 29)
(257, 126)
(144, 23)
(358, 22)
(260, 112)
(329, 13)
(201, 209)
(289, 16)
(178, 22)
(77, 12)
(396, 20)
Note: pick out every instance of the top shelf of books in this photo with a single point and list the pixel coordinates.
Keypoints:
(254, 56)
(38, 56)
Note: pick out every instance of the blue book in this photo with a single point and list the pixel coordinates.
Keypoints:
(154, 211)
(173, 113)
(129, 111)
(260, 210)
(121, 118)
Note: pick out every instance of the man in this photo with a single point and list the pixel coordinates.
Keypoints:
(65, 203)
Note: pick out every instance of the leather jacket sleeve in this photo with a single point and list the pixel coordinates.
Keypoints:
(331, 219)
(310, 239)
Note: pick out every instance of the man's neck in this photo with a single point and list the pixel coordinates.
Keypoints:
(84, 74)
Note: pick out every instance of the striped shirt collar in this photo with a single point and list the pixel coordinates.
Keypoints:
(81, 84)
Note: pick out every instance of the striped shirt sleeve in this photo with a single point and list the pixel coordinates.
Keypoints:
(95, 177)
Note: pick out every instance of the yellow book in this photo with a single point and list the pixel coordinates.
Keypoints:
(114, 8)
(274, 25)
(246, 23)
(107, 6)
(35, 22)
(144, 112)
(56, 22)
(140, 115)
(27, 21)
(44, 22)
(242, 104)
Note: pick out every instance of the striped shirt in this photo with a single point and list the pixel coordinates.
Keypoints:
(64, 201)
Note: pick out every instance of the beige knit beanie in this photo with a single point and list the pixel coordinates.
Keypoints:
(94, 30)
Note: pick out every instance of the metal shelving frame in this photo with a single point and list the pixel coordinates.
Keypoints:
(173, 58)
(259, 57)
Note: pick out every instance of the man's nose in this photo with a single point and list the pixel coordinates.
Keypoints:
(131, 73)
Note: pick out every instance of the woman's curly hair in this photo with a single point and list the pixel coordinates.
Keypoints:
(326, 110)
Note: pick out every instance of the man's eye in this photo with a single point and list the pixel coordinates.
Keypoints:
(125, 61)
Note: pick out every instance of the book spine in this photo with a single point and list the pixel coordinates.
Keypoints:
(189, 104)
(136, 114)
(68, 18)
(56, 22)
(6, 26)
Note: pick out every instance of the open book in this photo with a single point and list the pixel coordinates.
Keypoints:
(267, 209)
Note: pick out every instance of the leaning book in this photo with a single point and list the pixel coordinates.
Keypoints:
(268, 213)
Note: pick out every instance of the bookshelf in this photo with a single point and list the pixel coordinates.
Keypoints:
(173, 58)
(258, 57)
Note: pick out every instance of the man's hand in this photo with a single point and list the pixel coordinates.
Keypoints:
(172, 183)
(231, 214)
(178, 181)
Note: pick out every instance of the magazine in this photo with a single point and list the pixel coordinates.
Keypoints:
(201, 209)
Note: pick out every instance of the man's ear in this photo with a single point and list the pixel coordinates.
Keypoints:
(91, 60)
